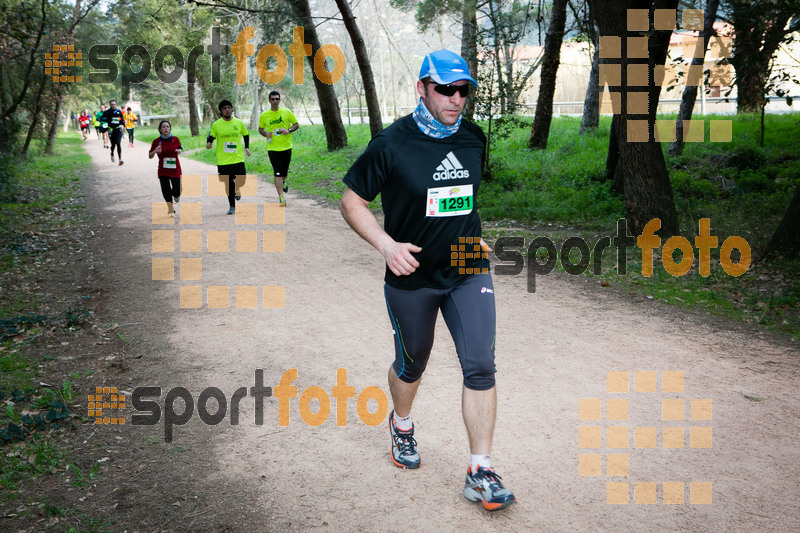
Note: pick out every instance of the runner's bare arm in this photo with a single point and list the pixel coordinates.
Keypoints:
(398, 255)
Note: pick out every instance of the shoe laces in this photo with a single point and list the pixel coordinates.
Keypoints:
(490, 475)
(406, 444)
(405, 441)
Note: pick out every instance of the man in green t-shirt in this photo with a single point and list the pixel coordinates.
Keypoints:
(277, 125)
(232, 141)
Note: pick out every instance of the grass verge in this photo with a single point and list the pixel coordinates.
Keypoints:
(39, 211)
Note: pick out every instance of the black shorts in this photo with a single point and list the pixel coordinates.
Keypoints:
(469, 312)
(232, 170)
(280, 161)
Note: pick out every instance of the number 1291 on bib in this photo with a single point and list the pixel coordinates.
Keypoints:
(449, 201)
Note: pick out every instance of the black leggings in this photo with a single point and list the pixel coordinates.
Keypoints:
(236, 169)
(469, 312)
(170, 188)
(116, 138)
(130, 135)
(280, 161)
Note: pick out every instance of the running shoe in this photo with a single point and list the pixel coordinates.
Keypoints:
(176, 199)
(485, 486)
(231, 211)
(404, 447)
(120, 162)
(238, 197)
(285, 187)
(283, 201)
(112, 158)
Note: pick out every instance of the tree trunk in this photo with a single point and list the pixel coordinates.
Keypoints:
(753, 50)
(496, 64)
(362, 58)
(211, 113)
(591, 102)
(690, 91)
(33, 54)
(637, 166)
(469, 48)
(335, 134)
(786, 239)
(256, 113)
(60, 89)
(53, 131)
(194, 120)
(37, 108)
(508, 90)
(547, 87)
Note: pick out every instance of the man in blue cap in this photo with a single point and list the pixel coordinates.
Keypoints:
(427, 168)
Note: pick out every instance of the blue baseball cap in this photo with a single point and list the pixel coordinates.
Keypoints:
(444, 66)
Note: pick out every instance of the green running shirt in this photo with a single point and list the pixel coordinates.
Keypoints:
(270, 121)
(230, 145)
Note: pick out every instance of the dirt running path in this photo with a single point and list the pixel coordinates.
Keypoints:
(554, 348)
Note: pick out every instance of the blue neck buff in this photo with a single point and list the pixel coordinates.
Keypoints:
(431, 127)
(168, 137)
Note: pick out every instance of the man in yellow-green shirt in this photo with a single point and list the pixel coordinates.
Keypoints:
(232, 142)
(277, 125)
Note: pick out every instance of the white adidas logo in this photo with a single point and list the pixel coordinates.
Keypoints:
(450, 169)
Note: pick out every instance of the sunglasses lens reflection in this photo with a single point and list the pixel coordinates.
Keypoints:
(450, 90)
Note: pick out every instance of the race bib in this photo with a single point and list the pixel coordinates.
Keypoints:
(115, 120)
(170, 162)
(449, 201)
(229, 148)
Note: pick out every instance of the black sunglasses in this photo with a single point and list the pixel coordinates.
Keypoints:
(450, 89)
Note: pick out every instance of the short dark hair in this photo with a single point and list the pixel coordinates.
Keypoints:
(162, 123)
(276, 93)
(223, 104)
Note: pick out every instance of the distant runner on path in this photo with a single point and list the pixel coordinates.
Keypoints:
(277, 125)
(113, 118)
(167, 147)
(229, 132)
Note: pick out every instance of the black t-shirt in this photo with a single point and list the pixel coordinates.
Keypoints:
(425, 191)
(113, 117)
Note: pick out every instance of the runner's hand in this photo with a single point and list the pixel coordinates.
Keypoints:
(158, 149)
(484, 246)
(247, 151)
(399, 259)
